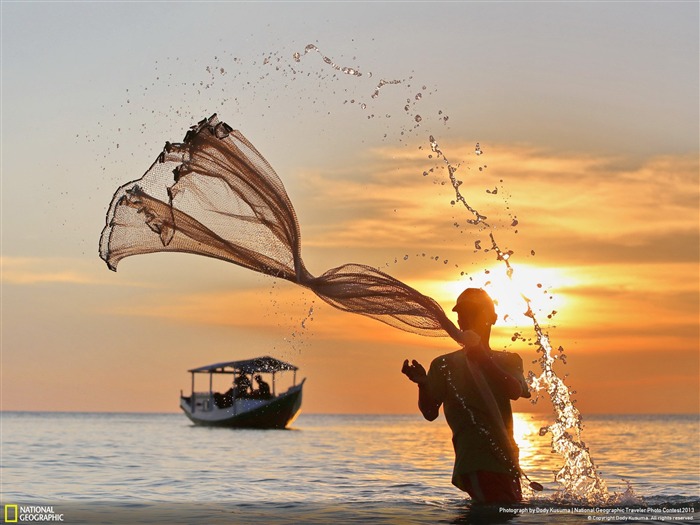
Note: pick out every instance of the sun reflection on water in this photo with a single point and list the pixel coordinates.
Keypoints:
(525, 432)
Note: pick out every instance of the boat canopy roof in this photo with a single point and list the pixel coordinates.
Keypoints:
(247, 366)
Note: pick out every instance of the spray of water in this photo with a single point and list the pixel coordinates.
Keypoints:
(312, 48)
(579, 477)
(451, 170)
(383, 83)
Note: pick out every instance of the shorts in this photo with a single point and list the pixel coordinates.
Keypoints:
(491, 487)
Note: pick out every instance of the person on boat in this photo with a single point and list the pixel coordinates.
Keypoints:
(486, 455)
(241, 386)
(263, 390)
(224, 400)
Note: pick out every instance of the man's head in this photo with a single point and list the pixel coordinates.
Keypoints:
(475, 310)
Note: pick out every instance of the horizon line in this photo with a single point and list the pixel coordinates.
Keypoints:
(378, 414)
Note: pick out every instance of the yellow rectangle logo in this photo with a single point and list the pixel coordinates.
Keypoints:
(7, 514)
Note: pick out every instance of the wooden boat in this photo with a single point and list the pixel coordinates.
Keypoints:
(243, 406)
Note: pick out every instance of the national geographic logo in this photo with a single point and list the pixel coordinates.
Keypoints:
(30, 514)
(11, 513)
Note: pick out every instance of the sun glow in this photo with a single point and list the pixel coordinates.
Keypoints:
(511, 293)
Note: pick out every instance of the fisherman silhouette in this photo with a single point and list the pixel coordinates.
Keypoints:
(486, 459)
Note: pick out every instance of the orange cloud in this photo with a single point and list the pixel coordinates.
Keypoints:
(35, 270)
(566, 200)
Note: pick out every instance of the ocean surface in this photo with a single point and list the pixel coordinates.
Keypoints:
(326, 469)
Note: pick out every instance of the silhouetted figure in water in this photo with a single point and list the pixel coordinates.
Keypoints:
(486, 458)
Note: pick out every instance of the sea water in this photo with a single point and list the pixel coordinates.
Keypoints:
(159, 468)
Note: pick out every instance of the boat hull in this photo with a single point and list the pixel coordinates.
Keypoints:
(278, 412)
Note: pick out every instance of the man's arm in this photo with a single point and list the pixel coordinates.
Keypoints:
(427, 405)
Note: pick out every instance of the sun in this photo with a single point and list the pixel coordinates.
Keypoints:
(526, 287)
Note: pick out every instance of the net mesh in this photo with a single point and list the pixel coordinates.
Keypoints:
(215, 195)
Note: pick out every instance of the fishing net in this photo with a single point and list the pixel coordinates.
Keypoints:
(215, 195)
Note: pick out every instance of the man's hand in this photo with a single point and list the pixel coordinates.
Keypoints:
(427, 405)
(415, 372)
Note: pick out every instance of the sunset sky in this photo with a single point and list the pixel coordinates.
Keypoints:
(586, 114)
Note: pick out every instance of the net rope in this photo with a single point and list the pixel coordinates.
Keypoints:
(215, 195)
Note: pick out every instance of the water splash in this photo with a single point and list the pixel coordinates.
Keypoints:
(579, 476)
(579, 479)
(298, 337)
(309, 317)
(383, 83)
(451, 170)
(312, 48)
